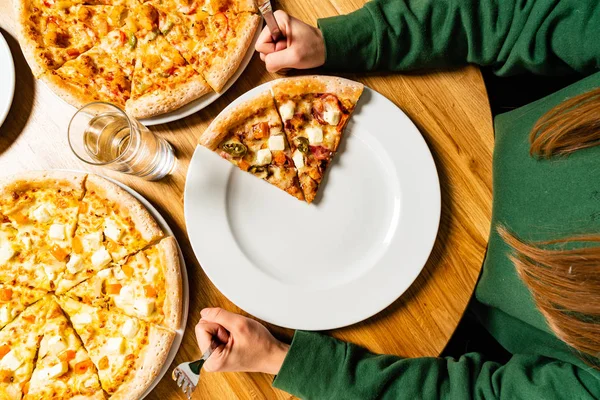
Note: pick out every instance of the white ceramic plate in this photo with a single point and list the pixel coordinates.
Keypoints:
(203, 101)
(7, 79)
(333, 263)
(184, 282)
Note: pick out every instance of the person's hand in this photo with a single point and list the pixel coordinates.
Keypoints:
(303, 46)
(243, 344)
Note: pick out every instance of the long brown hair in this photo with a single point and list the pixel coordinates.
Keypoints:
(563, 275)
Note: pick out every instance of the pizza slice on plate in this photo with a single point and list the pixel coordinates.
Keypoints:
(163, 80)
(43, 209)
(19, 341)
(15, 299)
(315, 110)
(112, 224)
(93, 76)
(120, 345)
(251, 137)
(213, 45)
(59, 33)
(147, 286)
(63, 368)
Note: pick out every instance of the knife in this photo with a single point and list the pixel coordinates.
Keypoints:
(266, 10)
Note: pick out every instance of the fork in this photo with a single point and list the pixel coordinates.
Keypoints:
(187, 374)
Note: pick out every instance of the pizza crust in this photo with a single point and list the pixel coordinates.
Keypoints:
(342, 88)
(167, 100)
(159, 345)
(72, 93)
(28, 45)
(42, 179)
(220, 127)
(143, 221)
(172, 271)
(219, 73)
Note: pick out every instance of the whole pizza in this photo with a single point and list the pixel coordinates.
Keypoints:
(149, 57)
(90, 289)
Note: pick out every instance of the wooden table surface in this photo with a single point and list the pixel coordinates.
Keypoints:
(450, 109)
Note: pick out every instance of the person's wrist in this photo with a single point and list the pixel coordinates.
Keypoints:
(275, 358)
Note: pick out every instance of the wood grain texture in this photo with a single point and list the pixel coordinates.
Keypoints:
(451, 110)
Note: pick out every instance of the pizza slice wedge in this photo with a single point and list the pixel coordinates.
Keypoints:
(118, 345)
(19, 341)
(315, 111)
(93, 76)
(111, 225)
(214, 45)
(42, 207)
(63, 368)
(147, 286)
(163, 80)
(55, 34)
(15, 299)
(251, 137)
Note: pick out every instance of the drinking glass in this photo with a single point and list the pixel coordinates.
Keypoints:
(102, 134)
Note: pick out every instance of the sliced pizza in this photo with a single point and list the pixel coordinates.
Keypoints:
(43, 208)
(63, 368)
(251, 137)
(315, 110)
(15, 299)
(59, 33)
(214, 45)
(147, 286)
(163, 80)
(19, 341)
(111, 225)
(93, 76)
(127, 351)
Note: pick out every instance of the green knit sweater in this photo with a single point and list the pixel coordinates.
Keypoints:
(534, 199)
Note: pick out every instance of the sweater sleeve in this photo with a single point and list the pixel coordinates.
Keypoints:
(546, 37)
(320, 367)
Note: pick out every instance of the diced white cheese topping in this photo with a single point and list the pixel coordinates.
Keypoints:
(332, 115)
(112, 230)
(130, 328)
(54, 371)
(57, 232)
(42, 213)
(276, 143)
(298, 158)
(151, 274)
(315, 135)
(115, 345)
(144, 307)
(127, 293)
(11, 361)
(75, 263)
(92, 241)
(82, 318)
(105, 273)
(6, 252)
(263, 157)
(287, 110)
(50, 271)
(101, 257)
(4, 314)
(57, 344)
(26, 240)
